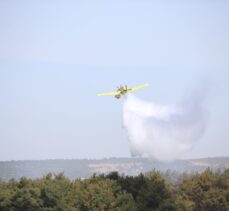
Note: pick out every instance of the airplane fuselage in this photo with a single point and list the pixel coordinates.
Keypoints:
(123, 90)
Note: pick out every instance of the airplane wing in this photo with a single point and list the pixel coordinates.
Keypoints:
(139, 87)
(108, 93)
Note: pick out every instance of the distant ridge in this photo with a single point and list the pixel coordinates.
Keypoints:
(82, 168)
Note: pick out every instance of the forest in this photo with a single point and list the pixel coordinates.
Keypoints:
(206, 191)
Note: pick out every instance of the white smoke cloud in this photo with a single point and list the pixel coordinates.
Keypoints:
(163, 132)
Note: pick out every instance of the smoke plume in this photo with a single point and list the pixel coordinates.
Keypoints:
(164, 132)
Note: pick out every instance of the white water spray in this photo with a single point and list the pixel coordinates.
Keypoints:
(163, 132)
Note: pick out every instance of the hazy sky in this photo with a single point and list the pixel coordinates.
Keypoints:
(56, 55)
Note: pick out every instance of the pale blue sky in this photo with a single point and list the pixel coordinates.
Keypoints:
(56, 55)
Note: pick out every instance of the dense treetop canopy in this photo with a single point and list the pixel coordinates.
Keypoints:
(153, 191)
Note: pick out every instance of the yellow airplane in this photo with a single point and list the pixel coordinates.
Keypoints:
(122, 90)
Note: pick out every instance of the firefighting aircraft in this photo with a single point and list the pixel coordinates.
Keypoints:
(122, 90)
